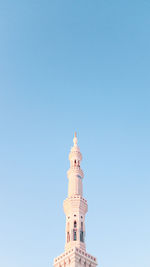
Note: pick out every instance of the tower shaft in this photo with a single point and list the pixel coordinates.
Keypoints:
(75, 208)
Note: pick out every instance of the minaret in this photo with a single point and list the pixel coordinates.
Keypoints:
(75, 208)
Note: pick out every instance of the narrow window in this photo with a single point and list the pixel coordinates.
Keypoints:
(68, 237)
(81, 236)
(75, 224)
(82, 226)
(74, 235)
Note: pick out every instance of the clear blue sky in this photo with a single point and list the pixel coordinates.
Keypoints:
(70, 66)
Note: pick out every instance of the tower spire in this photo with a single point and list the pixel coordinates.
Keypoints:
(75, 173)
(75, 139)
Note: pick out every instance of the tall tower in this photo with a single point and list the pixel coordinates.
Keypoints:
(75, 208)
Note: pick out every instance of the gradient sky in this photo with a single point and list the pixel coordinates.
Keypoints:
(70, 66)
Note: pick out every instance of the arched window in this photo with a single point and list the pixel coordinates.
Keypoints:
(75, 224)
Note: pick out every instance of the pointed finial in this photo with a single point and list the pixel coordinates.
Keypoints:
(75, 140)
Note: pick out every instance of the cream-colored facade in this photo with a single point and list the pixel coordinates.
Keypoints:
(75, 208)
